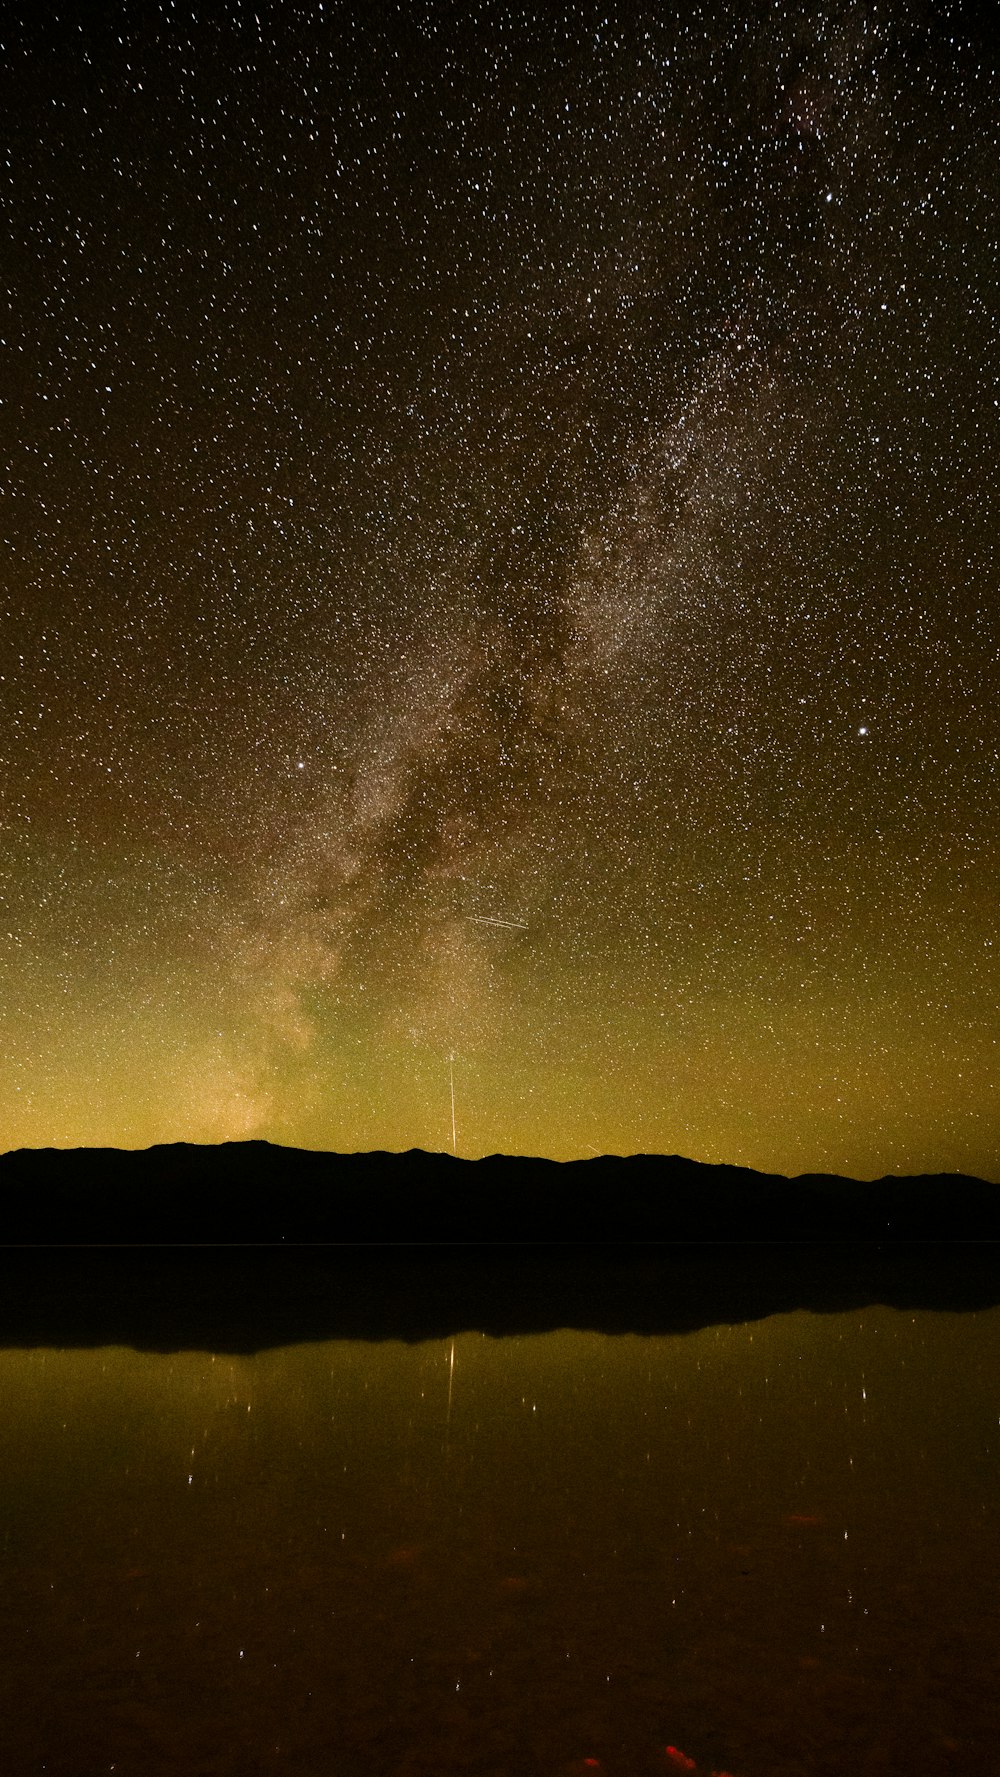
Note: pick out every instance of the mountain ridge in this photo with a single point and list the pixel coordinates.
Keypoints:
(261, 1193)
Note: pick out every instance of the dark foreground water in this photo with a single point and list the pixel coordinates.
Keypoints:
(773, 1548)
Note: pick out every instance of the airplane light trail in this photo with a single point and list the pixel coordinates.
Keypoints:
(485, 919)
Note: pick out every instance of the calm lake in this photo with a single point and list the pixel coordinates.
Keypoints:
(773, 1549)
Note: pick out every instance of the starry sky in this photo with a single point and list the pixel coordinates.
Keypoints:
(498, 515)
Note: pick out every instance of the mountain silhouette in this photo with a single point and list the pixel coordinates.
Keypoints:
(251, 1193)
(246, 1245)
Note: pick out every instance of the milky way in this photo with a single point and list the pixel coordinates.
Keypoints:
(498, 521)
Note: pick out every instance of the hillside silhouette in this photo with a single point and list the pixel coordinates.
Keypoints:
(245, 1246)
(254, 1193)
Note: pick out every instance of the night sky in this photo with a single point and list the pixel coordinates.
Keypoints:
(498, 516)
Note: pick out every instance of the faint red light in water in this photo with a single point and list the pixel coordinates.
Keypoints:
(514, 1583)
(802, 1518)
(594, 1763)
(680, 1759)
(404, 1557)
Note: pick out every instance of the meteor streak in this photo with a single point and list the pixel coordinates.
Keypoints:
(485, 919)
(454, 1132)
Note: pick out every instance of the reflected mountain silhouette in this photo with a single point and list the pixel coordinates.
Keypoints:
(246, 1245)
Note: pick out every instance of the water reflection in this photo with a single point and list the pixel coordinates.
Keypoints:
(751, 1550)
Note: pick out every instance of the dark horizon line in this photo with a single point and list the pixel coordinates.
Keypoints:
(260, 1144)
(257, 1193)
(243, 1245)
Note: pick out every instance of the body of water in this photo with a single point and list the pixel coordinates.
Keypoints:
(769, 1550)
